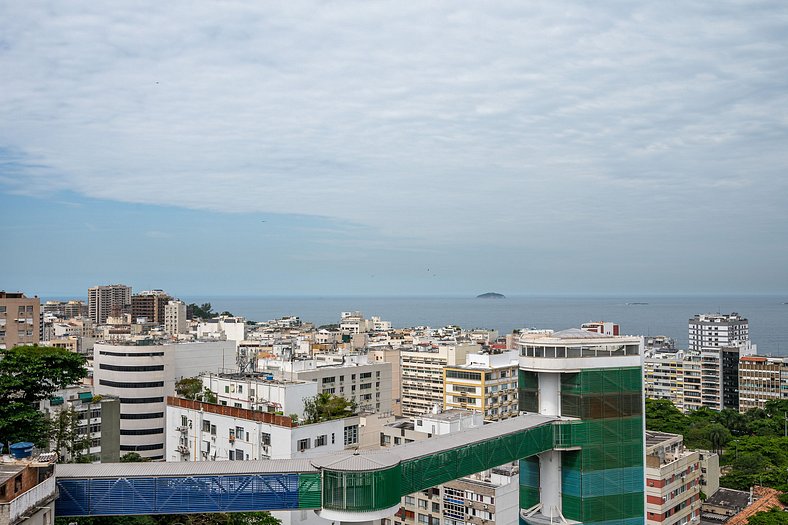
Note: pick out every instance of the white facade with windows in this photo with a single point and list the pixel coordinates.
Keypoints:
(258, 393)
(206, 433)
(142, 375)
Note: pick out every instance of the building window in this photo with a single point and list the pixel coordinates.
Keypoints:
(303, 444)
(206, 425)
(265, 438)
(351, 435)
(321, 441)
(239, 454)
(239, 432)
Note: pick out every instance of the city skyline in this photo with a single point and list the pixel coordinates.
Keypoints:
(387, 149)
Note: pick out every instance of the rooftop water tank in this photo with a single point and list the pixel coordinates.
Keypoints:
(21, 450)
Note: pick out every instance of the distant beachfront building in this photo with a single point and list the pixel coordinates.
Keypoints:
(711, 331)
(762, 379)
(110, 300)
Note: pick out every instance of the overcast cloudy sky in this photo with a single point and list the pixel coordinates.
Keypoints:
(394, 147)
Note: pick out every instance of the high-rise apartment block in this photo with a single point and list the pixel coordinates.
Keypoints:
(422, 374)
(20, 320)
(707, 331)
(175, 321)
(110, 300)
(149, 305)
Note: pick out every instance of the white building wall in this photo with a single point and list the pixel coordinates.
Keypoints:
(143, 376)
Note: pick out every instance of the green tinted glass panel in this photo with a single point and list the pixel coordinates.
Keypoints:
(361, 491)
(309, 491)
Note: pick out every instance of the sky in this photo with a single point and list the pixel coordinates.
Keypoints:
(394, 148)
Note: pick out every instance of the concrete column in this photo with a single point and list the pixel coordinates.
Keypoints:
(549, 394)
(550, 482)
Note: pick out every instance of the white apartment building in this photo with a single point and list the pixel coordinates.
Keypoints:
(422, 374)
(368, 384)
(486, 383)
(389, 354)
(222, 328)
(207, 432)
(261, 392)
(672, 481)
(143, 375)
(175, 322)
(717, 330)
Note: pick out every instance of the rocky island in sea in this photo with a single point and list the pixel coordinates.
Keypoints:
(491, 295)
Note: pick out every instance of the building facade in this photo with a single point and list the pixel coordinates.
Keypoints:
(717, 330)
(486, 383)
(422, 374)
(208, 432)
(104, 301)
(175, 322)
(673, 481)
(20, 320)
(762, 379)
(141, 376)
(149, 305)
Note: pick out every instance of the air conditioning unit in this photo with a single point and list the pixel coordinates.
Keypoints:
(182, 428)
(183, 449)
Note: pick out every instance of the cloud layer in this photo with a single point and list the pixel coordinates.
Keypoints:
(569, 126)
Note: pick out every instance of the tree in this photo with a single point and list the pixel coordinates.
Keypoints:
(203, 311)
(132, 457)
(325, 406)
(29, 374)
(68, 442)
(775, 516)
(663, 416)
(718, 436)
(191, 388)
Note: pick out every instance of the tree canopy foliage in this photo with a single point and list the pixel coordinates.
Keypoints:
(29, 374)
(753, 446)
(191, 388)
(203, 311)
(324, 407)
(774, 516)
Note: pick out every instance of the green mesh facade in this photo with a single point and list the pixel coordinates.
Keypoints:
(309, 491)
(603, 481)
(529, 482)
(528, 391)
(422, 473)
(361, 491)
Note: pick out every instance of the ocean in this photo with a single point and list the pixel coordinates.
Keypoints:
(637, 315)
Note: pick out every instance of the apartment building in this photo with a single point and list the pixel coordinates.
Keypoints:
(366, 383)
(150, 305)
(261, 392)
(87, 419)
(673, 481)
(20, 320)
(389, 354)
(717, 330)
(103, 301)
(486, 383)
(175, 321)
(762, 379)
(422, 374)
(207, 432)
(142, 374)
(65, 309)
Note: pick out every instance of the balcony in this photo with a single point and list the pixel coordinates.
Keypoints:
(30, 500)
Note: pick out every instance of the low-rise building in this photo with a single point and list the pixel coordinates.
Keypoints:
(261, 392)
(672, 480)
(199, 431)
(20, 320)
(27, 490)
